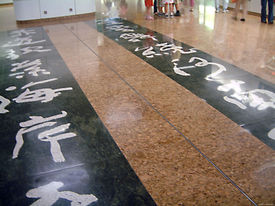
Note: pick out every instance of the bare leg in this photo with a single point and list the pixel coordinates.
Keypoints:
(148, 13)
(237, 8)
(244, 9)
(166, 8)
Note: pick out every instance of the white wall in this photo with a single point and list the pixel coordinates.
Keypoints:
(41, 9)
(5, 1)
(84, 6)
(253, 5)
(26, 10)
(54, 8)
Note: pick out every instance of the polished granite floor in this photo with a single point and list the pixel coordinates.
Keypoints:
(112, 109)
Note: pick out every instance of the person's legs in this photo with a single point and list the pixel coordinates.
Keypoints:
(149, 4)
(177, 8)
(237, 8)
(166, 9)
(155, 6)
(225, 5)
(270, 12)
(160, 6)
(171, 9)
(263, 11)
(244, 4)
(191, 5)
(148, 13)
(217, 5)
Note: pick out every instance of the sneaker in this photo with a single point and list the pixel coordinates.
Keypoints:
(242, 19)
(166, 16)
(160, 14)
(263, 21)
(225, 11)
(191, 10)
(217, 10)
(270, 22)
(177, 13)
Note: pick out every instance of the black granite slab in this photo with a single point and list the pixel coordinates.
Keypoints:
(108, 180)
(92, 162)
(240, 95)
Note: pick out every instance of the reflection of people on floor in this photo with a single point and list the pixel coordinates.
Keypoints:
(108, 4)
(270, 11)
(225, 5)
(139, 6)
(149, 41)
(123, 7)
(191, 4)
(237, 8)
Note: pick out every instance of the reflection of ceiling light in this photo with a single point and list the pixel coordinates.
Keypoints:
(100, 40)
(271, 134)
(118, 113)
(271, 63)
(207, 16)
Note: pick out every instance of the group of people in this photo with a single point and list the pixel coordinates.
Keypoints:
(169, 5)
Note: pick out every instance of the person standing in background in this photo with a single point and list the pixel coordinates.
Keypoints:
(159, 8)
(225, 5)
(155, 7)
(270, 11)
(177, 8)
(237, 8)
(168, 7)
(191, 5)
(149, 4)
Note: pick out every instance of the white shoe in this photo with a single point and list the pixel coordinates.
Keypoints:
(225, 11)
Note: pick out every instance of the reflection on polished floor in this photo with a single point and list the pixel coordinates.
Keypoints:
(189, 102)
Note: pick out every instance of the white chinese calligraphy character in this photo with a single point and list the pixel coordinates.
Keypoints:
(48, 136)
(32, 67)
(4, 102)
(257, 98)
(149, 53)
(204, 63)
(49, 194)
(201, 63)
(21, 32)
(30, 49)
(271, 134)
(167, 47)
(43, 95)
(133, 37)
(120, 28)
(38, 122)
(22, 41)
(12, 55)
